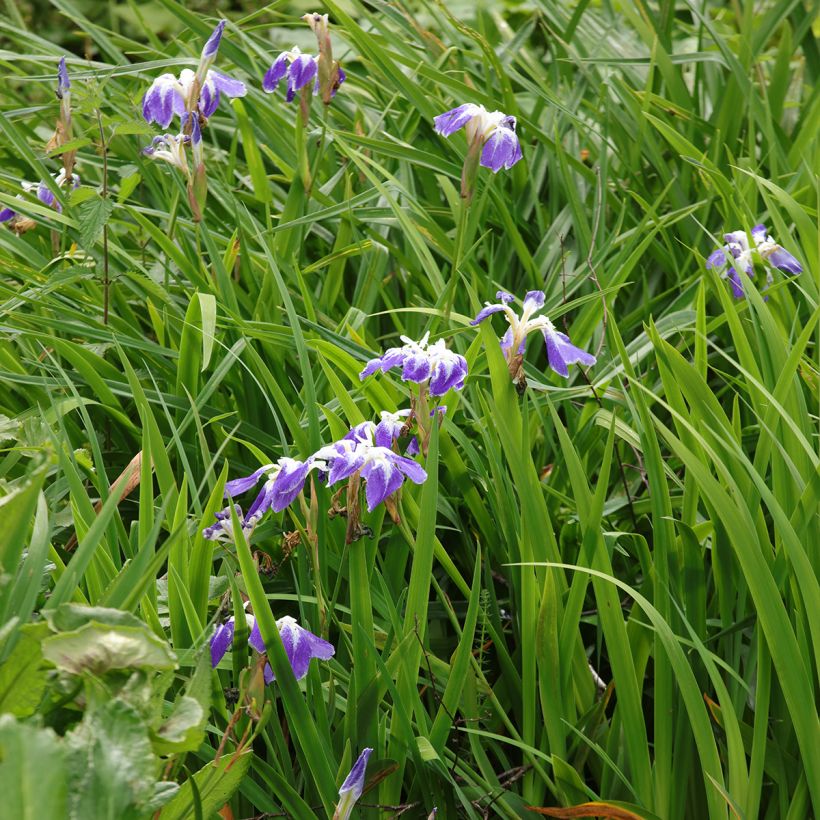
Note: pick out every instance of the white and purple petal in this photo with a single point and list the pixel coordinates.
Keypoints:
(212, 43)
(221, 641)
(501, 150)
(451, 121)
(416, 367)
(449, 374)
(289, 483)
(353, 787)
(716, 259)
(534, 300)
(301, 646)
(784, 261)
(240, 485)
(561, 352)
(273, 76)
(383, 479)
(487, 310)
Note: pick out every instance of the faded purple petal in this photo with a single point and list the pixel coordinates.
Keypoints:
(783, 260)
(734, 281)
(262, 502)
(63, 82)
(759, 234)
(241, 485)
(289, 483)
(45, 195)
(416, 367)
(344, 465)
(255, 638)
(412, 469)
(302, 70)
(275, 73)
(504, 297)
(451, 121)
(301, 646)
(739, 238)
(227, 85)
(6, 214)
(208, 99)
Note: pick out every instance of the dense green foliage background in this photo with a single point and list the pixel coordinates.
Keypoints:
(657, 521)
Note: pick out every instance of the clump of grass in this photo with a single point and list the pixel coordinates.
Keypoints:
(605, 591)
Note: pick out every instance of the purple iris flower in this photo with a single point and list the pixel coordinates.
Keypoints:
(351, 790)
(285, 480)
(739, 254)
(560, 351)
(422, 362)
(383, 470)
(301, 646)
(494, 131)
(222, 528)
(299, 69)
(44, 194)
(168, 95)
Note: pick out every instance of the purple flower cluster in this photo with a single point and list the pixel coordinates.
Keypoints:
(366, 449)
(301, 646)
(492, 131)
(382, 468)
(739, 254)
(560, 351)
(432, 364)
(169, 95)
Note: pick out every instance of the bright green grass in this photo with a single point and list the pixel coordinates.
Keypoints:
(660, 523)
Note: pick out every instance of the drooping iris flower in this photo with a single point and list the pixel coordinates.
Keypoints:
(285, 480)
(299, 70)
(351, 790)
(491, 131)
(739, 254)
(424, 363)
(169, 95)
(560, 351)
(301, 645)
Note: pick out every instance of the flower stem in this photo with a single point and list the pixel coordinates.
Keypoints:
(455, 273)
